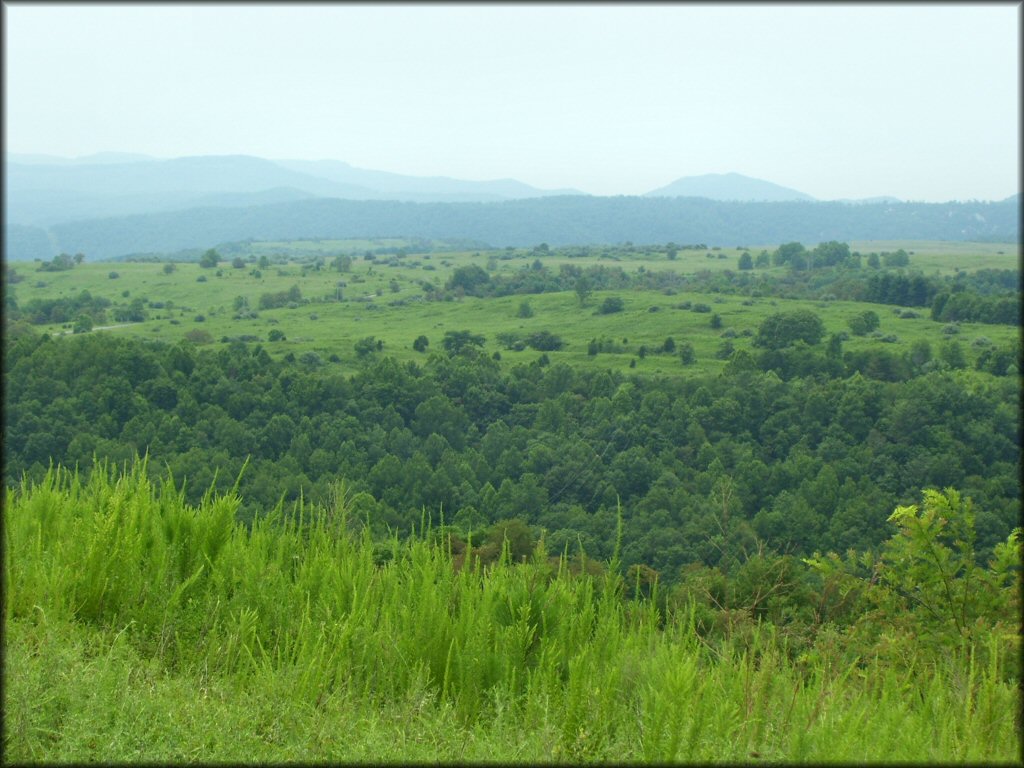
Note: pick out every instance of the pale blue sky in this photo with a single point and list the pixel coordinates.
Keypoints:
(920, 102)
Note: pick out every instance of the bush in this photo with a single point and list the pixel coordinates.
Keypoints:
(783, 329)
(610, 306)
(544, 341)
(365, 346)
(687, 354)
(199, 336)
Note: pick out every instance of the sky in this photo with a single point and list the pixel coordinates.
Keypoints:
(921, 102)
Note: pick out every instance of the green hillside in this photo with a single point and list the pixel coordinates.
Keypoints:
(396, 499)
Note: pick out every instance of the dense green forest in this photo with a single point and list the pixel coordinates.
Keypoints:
(810, 448)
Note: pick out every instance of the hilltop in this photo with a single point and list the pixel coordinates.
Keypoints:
(728, 186)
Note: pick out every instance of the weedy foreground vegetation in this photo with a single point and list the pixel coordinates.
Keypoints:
(140, 628)
(551, 504)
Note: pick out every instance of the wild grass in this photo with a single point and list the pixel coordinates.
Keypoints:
(140, 628)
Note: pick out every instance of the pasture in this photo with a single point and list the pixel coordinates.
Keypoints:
(384, 298)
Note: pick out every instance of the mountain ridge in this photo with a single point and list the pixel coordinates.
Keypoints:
(557, 221)
(728, 187)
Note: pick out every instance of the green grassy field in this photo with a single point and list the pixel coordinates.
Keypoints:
(386, 302)
(931, 256)
(141, 629)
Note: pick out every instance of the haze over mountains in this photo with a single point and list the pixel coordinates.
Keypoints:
(114, 204)
(44, 190)
(728, 186)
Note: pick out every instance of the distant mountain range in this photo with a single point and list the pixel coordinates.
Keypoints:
(43, 190)
(557, 221)
(114, 204)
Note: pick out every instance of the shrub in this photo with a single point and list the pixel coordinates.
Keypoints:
(783, 329)
(199, 336)
(544, 341)
(687, 354)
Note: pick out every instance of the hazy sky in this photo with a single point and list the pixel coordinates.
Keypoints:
(920, 102)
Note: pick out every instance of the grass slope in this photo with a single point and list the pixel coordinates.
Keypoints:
(139, 628)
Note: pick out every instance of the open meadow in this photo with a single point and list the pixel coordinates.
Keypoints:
(384, 298)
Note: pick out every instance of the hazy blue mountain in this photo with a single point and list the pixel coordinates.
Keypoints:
(45, 194)
(868, 200)
(395, 186)
(43, 190)
(554, 220)
(41, 208)
(728, 186)
(204, 175)
(24, 243)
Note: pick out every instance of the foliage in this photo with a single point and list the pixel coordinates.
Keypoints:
(299, 635)
(926, 589)
(273, 300)
(611, 305)
(455, 342)
(783, 329)
(60, 263)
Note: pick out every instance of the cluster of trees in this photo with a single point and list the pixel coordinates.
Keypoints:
(59, 310)
(801, 461)
(275, 299)
(473, 280)
(900, 289)
(61, 263)
(949, 307)
(830, 254)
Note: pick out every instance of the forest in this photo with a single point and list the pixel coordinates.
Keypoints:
(797, 469)
(561, 220)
